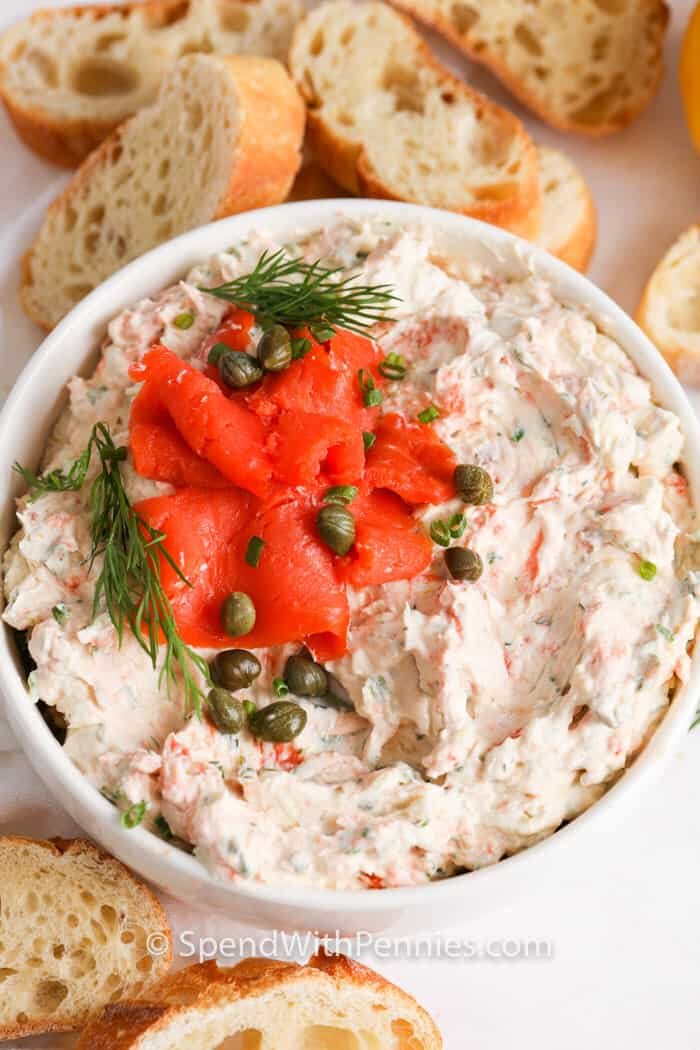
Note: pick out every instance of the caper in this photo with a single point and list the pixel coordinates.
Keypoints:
(473, 484)
(305, 677)
(278, 723)
(275, 349)
(237, 614)
(235, 669)
(226, 712)
(463, 564)
(336, 527)
(239, 370)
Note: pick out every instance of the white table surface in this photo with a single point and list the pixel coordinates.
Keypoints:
(626, 929)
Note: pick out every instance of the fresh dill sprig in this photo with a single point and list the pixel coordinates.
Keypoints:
(289, 291)
(129, 585)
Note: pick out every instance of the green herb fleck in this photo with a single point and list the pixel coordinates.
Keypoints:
(184, 321)
(162, 827)
(300, 348)
(280, 687)
(517, 435)
(343, 494)
(254, 550)
(132, 817)
(368, 439)
(371, 397)
(59, 613)
(647, 570)
(457, 525)
(440, 533)
(249, 708)
(429, 414)
(665, 632)
(393, 367)
(217, 351)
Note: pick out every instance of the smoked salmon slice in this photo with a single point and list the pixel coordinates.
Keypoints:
(412, 461)
(217, 428)
(295, 589)
(325, 380)
(387, 546)
(311, 447)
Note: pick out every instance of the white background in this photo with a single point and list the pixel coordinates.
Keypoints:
(626, 926)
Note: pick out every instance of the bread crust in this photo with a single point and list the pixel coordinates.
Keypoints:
(684, 360)
(347, 163)
(58, 849)
(536, 103)
(267, 156)
(67, 143)
(578, 250)
(205, 986)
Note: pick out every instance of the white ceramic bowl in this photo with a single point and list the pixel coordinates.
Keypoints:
(24, 426)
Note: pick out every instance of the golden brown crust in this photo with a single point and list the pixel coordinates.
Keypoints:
(477, 51)
(206, 985)
(268, 153)
(73, 848)
(346, 162)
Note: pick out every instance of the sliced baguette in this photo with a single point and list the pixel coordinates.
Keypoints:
(266, 1005)
(669, 311)
(223, 136)
(69, 77)
(387, 120)
(588, 65)
(568, 225)
(74, 929)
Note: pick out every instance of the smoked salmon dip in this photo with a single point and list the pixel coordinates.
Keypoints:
(469, 522)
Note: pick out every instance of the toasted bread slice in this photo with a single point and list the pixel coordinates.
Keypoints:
(75, 928)
(266, 1005)
(68, 77)
(568, 225)
(387, 120)
(589, 65)
(223, 136)
(669, 311)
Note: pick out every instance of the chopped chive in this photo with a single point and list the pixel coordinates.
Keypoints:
(647, 570)
(393, 367)
(665, 633)
(518, 434)
(322, 333)
(254, 550)
(133, 816)
(457, 525)
(217, 351)
(59, 613)
(371, 397)
(429, 414)
(368, 439)
(300, 348)
(340, 494)
(162, 827)
(440, 533)
(280, 687)
(184, 321)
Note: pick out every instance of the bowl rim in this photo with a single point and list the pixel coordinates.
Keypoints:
(144, 850)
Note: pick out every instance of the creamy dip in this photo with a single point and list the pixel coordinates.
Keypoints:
(486, 713)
